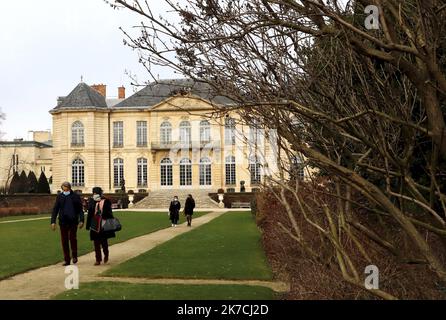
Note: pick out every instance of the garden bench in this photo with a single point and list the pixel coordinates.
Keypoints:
(239, 204)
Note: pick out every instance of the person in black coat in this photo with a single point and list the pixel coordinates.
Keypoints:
(98, 204)
(68, 207)
(189, 209)
(174, 211)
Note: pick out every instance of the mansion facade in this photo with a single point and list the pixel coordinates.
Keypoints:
(166, 136)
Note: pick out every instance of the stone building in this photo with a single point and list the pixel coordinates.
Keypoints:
(21, 155)
(163, 138)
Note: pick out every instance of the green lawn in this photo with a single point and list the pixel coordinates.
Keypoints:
(127, 291)
(34, 216)
(31, 244)
(226, 248)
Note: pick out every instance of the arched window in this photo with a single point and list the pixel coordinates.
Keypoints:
(205, 172)
(230, 170)
(205, 131)
(185, 132)
(118, 171)
(166, 172)
(77, 172)
(166, 132)
(185, 172)
(77, 134)
(142, 172)
(255, 170)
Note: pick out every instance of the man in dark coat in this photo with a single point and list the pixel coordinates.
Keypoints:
(174, 210)
(68, 207)
(189, 209)
(99, 205)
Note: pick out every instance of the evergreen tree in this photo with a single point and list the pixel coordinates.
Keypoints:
(23, 183)
(33, 183)
(14, 184)
(43, 185)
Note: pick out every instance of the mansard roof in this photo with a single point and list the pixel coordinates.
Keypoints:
(158, 91)
(83, 96)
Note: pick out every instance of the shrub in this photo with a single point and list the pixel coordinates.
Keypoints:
(14, 184)
(23, 183)
(33, 183)
(43, 185)
(139, 196)
(18, 211)
(254, 205)
(319, 277)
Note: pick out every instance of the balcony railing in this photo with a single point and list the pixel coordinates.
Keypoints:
(160, 145)
(77, 145)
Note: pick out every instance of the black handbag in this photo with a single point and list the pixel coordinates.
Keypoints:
(112, 224)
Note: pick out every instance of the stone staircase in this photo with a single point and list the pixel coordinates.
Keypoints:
(161, 199)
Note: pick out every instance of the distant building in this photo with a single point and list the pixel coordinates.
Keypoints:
(162, 137)
(18, 155)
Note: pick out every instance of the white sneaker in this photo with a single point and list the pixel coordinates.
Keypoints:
(173, 225)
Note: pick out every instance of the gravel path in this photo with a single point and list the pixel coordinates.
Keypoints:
(274, 285)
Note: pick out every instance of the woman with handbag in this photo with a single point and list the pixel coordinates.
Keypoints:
(99, 211)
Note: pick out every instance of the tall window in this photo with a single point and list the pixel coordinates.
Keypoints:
(142, 172)
(230, 170)
(229, 131)
(118, 134)
(77, 172)
(185, 132)
(205, 172)
(255, 170)
(141, 133)
(255, 134)
(297, 167)
(77, 134)
(205, 131)
(15, 163)
(166, 133)
(118, 171)
(166, 172)
(185, 172)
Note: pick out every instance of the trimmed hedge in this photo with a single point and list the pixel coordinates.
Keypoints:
(18, 211)
(139, 196)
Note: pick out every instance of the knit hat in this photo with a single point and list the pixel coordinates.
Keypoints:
(97, 190)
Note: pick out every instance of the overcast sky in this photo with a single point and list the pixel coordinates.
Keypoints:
(47, 45)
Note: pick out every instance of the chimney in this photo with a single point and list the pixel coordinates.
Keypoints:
(121, 92)
(101, 88)
(60, 100)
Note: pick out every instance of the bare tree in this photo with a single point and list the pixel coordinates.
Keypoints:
(2, 117)
(365, 107)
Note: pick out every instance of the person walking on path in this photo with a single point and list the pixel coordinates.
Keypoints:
(174, 211)
(189, 209)
(99, 209)
(68, 208)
